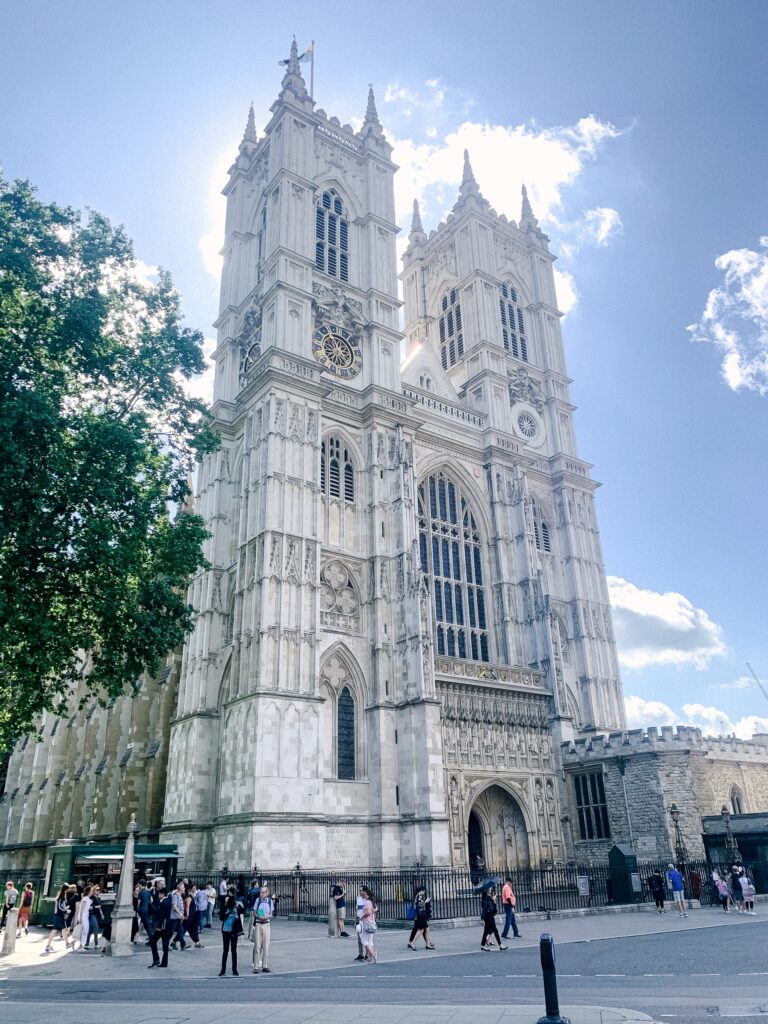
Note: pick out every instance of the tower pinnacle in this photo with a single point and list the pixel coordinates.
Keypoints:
(527, 217)
(468, 181)
(293, 60)
(371, 114)
(249, 135)
(416, 227)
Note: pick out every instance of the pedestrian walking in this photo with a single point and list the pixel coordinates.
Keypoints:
(749, 899)
(193, 916)
(721, 888)
(745, 885)
(74, 897)
(508, 904)
(263, 911)
(25, 909)
(95, 918)
(489, 910)
(359, 907)
(178, 913)
(677, 885)
(162, 926)
(59, 919)
(737, 894)
(250, 900)
(143, 907)
(10, 896)
(422, 911)
(201, 902)
(656, 886)
(85, 916)
(367, 927)
(223, 893)
(231, 915)
(210, 891)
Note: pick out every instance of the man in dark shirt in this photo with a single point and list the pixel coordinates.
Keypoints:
(339, 893)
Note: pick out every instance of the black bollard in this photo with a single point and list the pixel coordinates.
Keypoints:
(547, 951)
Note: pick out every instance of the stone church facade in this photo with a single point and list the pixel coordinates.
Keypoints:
(406, 610)
(403, 650)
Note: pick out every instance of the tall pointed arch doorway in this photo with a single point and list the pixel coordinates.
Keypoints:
(496, 831)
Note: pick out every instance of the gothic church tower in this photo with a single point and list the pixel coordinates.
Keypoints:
(307, 722)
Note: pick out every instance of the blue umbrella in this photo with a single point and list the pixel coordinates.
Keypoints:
(487, 883)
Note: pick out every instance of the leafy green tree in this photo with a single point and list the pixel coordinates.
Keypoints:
(98, 436)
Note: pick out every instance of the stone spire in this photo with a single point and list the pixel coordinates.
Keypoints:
(293, 61)
(292, 79)
(371, 114)
(371, 125)
(527, 218)
(416, 227)
(249, 135)
(469, 191)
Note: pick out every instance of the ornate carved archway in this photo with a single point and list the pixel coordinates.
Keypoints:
(504, 832)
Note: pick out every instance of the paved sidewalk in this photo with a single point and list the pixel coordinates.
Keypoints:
(239, 1013)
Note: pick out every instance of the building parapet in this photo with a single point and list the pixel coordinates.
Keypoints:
(442, 407)
(665, 739)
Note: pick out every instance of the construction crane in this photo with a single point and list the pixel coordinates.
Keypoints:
(754, 676)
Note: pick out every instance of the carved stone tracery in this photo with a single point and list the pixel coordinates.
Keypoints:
(339, 599)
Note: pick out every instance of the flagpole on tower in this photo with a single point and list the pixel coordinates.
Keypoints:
(312, 69)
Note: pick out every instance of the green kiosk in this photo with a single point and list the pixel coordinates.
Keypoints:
(101, 863)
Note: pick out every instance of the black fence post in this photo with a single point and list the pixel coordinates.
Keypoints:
(551, 1002)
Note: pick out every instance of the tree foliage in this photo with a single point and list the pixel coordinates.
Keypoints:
(98, 436)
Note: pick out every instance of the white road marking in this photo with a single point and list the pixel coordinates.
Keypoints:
(617, 975)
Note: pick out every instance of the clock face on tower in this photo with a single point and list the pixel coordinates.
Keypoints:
(337, 350)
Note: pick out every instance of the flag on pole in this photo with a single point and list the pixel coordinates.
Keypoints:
(303, 59)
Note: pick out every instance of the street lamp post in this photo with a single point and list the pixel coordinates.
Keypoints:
(681, 853)
(731, 846)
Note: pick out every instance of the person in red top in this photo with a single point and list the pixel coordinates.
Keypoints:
(508, 902)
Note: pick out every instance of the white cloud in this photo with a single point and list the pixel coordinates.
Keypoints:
(742, 683)
(711, 720)
(661, 629)
(642, 713)
(565, 287)
(735, 318)
(601, 223)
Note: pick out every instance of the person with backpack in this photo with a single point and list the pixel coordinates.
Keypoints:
(178, 914)
(656, 885)
(489, 910)
(231, 915)
(162, 926)
(25, 909)
(261, 917)
(677, 885)
(422, 911)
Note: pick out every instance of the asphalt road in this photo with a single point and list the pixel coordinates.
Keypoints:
(686, 978)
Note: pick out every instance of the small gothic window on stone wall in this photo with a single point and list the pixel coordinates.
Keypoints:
(512, 323)
(737, 801)
(337, 471)
(451, 329)
(332, 236)
(346, 735)
(591, 806)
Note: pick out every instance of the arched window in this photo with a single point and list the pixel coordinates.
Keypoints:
(332, 236)
(451, 330)
(737, 801)
(346, 735)
(449, 547)
(512, 323)
(540, 529)
(337, 472)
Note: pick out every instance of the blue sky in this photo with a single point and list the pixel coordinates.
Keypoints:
(637, 130)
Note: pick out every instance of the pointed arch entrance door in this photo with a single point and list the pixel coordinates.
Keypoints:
(497, 831)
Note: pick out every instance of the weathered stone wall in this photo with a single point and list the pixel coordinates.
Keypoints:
(644, 773)
(84, 776)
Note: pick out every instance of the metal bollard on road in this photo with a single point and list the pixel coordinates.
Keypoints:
(551, 1002)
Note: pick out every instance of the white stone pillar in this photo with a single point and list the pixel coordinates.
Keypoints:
(122, 915)
(9, 935)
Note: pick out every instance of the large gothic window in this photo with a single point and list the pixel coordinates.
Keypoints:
(337, 471)
(451, 330)
(332, 236)
(346, 735)
(449, 547)
(512, 323)
(540, 529)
